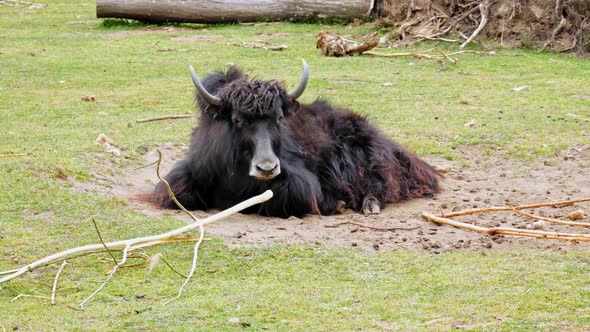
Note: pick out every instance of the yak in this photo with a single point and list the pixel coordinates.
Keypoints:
(253, 135)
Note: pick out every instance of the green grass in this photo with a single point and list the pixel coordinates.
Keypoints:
(51, 57)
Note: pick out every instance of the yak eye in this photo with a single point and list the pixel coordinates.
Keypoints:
(237, 122)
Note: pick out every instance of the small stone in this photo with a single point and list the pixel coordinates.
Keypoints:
(521, 88)
(576, 215)
(470, 123)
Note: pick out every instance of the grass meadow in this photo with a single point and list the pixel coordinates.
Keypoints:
(51, 57)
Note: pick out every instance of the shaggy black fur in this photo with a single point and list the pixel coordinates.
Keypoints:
(326, 155)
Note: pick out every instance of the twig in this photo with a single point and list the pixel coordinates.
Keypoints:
(17, 3)
(102, 241)
(512, 13)
(165, 117)
(410, 54)
(454, 61)
(145, 166)
(123, 260)
(27, 295)
(484, 10)
(551, 220)
(255, 45)
(520, 207)
(54, 288)
(372, 227)
(507, 230)
(170, 192)
(14, 155)
(193, 266)
(201, 230)
(154, 261)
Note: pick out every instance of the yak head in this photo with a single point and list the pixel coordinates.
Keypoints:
(254, 111)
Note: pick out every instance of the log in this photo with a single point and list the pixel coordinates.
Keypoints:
(223, 11)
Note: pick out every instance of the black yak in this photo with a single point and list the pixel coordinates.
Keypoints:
(253, 135)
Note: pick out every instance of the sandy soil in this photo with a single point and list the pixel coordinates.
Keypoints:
(475, 182)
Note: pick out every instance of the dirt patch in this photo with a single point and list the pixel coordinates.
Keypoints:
(474, 182)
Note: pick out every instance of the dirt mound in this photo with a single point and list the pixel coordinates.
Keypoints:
(491, 182)
(559, 25)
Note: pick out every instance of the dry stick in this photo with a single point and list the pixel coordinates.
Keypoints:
(102, 241)
(254, 45)
(510, 208)
(506, 230)
(372, 227)
(154, 261)
(27, 295)
(123, 260)
(411, 54)
(54, 288)
(483, 8)
(135, 243)
(165, 117)
(14, 155)
(552, 220)
(201, 229)
(454, 61)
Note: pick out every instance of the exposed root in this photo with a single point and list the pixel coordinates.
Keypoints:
(558, 25)
(334, 45)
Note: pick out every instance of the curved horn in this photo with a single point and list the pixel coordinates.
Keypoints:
(209, 98)
(298, 91)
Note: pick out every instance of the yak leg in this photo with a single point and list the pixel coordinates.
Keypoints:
(371, 205)
(185, 189)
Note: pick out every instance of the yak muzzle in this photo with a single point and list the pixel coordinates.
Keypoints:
(266, 169)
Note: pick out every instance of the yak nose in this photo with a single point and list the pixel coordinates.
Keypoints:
(266, 169)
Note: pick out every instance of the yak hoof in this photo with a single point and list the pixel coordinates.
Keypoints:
(371, 206)
(341, 207)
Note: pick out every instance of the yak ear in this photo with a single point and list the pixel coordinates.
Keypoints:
(290, 106)
(215, 112)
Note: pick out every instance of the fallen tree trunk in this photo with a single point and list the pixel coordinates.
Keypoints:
(216, 11)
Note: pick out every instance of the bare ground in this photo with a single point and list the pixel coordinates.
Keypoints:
(474, 182)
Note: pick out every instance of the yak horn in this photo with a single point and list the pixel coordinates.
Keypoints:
(209, 98)
(298, 91)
